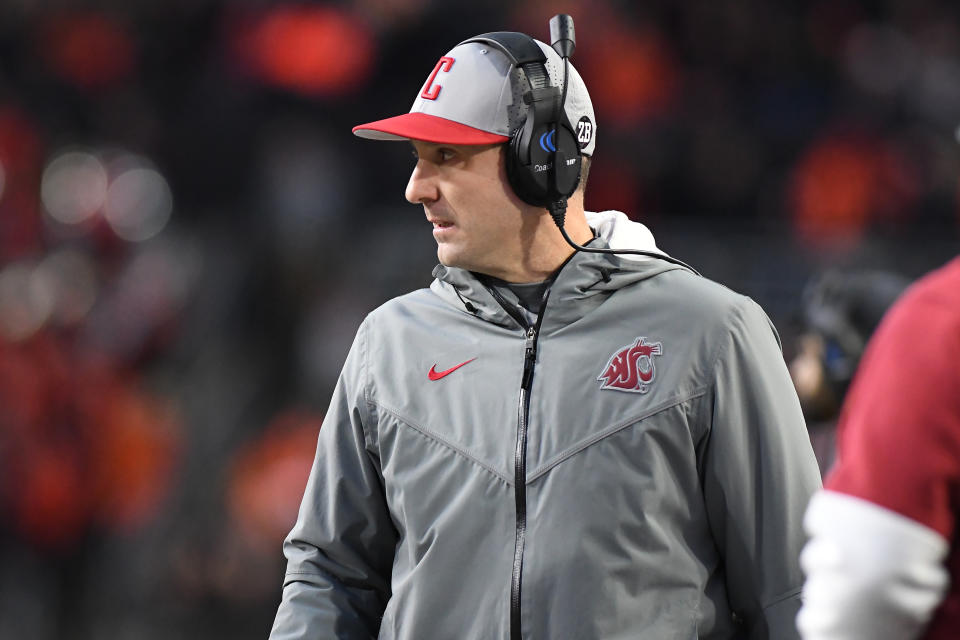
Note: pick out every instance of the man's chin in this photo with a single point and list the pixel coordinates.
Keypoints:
(448, 262)
(451, 258)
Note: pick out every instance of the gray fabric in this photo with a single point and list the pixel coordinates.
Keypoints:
(482, 89)
(673, 513)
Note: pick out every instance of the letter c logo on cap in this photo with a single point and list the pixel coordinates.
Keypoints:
(430, 90)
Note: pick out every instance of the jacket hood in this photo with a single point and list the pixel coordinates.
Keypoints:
(583, 283)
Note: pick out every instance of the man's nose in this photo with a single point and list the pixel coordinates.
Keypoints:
(421, 188)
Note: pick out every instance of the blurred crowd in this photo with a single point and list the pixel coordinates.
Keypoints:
(190, 235)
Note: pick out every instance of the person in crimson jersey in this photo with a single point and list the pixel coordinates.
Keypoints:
(883, 561)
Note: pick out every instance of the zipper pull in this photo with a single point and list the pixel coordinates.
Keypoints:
(529, 358)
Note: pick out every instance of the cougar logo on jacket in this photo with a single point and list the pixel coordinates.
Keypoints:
(631, 368)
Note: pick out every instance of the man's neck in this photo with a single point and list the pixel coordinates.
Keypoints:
(544, 250)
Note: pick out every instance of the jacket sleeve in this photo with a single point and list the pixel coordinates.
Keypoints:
(759, 472)
(881, 534)
(872, 573)
(340, 552)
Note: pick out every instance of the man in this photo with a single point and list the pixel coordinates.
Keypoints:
(884, 534)
(841, 310)
(547, 443)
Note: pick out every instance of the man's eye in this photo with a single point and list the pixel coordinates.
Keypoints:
(446, 154)
(413, 152)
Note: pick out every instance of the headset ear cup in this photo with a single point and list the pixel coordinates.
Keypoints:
(531, 182)
(519, 174)
(539, 142)
(568, 155)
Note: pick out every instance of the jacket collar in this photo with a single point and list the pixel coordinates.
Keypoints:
(584, 282)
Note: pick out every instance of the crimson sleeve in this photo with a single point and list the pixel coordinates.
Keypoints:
(899, 431)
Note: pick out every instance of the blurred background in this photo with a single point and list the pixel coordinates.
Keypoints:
(190, 235)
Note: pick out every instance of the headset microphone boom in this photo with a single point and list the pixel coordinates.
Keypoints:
(563, 40)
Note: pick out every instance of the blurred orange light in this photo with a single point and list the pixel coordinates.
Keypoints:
(631, 75)
(269, 475)
(832, 188)
(310, 49)
(134, 454)
(842, 184)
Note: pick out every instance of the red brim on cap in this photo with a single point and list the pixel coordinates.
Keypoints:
(421, 126)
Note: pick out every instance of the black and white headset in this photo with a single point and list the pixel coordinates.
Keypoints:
(544, 158)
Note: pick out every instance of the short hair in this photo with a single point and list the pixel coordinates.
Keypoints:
(584, 173)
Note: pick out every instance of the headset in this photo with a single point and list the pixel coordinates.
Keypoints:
(544, 158)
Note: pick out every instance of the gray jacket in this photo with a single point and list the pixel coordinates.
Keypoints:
(662, 458)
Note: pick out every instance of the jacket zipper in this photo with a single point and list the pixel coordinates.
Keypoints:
(520, 454)
(520, 479)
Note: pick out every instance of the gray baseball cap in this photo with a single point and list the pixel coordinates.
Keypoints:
(474, 95)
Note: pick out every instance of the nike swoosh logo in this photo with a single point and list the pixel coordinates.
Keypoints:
(433, 374)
